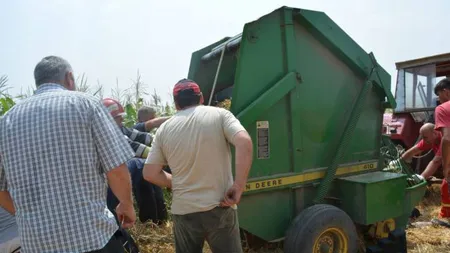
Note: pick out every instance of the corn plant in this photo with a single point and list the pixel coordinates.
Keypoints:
(6, 101)
(131, 98)
(81, 85)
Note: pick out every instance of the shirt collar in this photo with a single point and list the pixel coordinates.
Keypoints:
(46, 87)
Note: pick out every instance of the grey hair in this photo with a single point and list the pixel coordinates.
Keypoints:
(51, 69)
(145, 111)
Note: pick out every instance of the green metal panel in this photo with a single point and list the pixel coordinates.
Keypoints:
(266, 214)
(296, 76)
(372, 197)
(194, 67)
(348, 50)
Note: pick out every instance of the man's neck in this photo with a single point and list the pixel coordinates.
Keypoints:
(188, 107)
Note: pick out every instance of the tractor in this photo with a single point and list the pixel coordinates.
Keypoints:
(416, 101)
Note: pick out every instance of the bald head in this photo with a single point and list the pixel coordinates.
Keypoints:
(427, 128)
(429, 135)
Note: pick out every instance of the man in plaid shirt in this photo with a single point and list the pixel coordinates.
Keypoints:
(54, 178)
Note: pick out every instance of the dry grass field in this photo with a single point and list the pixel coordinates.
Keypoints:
(429, 239)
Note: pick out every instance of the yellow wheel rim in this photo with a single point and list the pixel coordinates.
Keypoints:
(332, 240)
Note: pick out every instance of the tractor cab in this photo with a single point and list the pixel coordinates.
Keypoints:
(415, 99)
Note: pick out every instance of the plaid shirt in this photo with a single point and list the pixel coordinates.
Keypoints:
(56, 147)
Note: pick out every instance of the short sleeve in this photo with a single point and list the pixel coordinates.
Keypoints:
(442, 116)
(3, 184)
(423, 146)
(156, 155)
(112, 148)
(231, 125)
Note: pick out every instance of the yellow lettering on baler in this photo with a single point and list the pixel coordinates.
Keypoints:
(305, 177)
(263, 184)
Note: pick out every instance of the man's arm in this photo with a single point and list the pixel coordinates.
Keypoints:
(119, 181)
(6, 202)
(140, 150)
(153, 169)
(431, 168)
(5, 198)
(445, 147)
(243, 157)
(156, 122)
(408, 155)
(155, 174)
(237, 135)
(113, 152)
(144, 138)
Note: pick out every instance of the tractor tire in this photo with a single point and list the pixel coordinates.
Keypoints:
(321, 228)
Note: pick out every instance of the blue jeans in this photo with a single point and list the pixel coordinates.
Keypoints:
(149, 197)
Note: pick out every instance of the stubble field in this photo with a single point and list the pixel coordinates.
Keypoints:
(428, 239)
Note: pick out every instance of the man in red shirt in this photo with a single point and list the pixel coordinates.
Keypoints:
(431, 139)
(442, 124)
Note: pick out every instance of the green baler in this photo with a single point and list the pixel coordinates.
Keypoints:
(313, 101)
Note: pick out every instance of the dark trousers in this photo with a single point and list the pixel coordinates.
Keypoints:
(219, 227)
(149, 197)
(113, 246)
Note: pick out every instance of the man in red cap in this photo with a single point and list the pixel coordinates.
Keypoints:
(195, 145)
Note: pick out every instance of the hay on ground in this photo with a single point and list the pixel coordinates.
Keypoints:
(430, 239)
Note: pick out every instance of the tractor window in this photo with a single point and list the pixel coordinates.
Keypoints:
(419, 87)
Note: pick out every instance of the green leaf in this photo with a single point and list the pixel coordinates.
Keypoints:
(6, 104)
(131, 117)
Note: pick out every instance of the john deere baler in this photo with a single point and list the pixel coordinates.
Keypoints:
(313, 101)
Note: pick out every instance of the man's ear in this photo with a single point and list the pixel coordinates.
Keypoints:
(202, 100)
(70, 81)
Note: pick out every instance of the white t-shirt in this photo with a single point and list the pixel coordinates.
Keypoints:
(195, 144)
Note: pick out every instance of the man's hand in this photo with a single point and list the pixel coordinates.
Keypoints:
(120, 183)
(232, 196)
(126, 215)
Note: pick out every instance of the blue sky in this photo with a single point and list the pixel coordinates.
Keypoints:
(113, 39)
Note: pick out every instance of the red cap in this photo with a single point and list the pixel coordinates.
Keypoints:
(186, 84)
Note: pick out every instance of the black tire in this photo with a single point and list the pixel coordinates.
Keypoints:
(312, 222)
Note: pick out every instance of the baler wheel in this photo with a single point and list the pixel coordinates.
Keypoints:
(321, 228)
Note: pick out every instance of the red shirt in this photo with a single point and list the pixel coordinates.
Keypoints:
(436, 146)
(442, 117)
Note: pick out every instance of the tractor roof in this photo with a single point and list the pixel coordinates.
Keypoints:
(442, 62)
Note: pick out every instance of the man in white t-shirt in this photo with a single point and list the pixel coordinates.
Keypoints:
(195, 144)
(9, 233)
